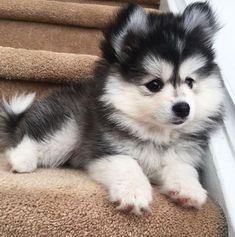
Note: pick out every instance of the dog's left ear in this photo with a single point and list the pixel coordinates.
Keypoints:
(123, 36)
(200, 17)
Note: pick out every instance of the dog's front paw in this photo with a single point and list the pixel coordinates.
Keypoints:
(135, 198)
(186, 193)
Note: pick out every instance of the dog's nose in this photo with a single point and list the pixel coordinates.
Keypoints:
(181, 109)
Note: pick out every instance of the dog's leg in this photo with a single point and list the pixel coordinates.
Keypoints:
(52, 152)
(23, 158)
(127, 184)
(179, 180)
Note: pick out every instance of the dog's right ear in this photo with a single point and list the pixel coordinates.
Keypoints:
(200, 17)
(123, 35)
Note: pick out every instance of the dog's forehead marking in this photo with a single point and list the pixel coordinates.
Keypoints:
(180, 44)
(191, 65)
(158, 67)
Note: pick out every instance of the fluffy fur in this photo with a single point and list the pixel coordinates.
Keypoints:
(146, 117)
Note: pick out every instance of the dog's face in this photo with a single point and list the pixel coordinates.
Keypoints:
(162, 66)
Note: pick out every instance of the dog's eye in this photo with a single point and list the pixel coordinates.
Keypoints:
(189, 81)
(154, 85)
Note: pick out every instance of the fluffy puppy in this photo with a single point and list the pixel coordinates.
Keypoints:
(145, 118)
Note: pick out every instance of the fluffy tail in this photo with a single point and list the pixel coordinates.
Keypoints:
(10, 115)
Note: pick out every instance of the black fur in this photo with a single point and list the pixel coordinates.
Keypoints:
(164, 30)
(9, 123)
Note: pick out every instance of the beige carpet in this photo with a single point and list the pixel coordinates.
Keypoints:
(35, 65)
(60, 202)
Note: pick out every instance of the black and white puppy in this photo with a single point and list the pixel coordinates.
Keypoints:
(146, 117)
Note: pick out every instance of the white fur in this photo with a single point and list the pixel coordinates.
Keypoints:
(147, 154)
(23, 158)
(144, 131)
(191, 65)
(19, 104)
(124, 180)
(208, 97)
(53, 151)
(30, 154)
(152, 112)
(137, 23)
(179, 180)
(134, 110)
(158, 67)
(173, 170)
(150, 155)
(207, 87)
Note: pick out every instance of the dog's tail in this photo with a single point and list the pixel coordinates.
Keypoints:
(11, 113)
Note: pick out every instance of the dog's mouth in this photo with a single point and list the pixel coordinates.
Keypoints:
(178, 122)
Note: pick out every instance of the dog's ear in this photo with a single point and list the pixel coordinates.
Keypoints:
(123, 36)
(200, 17)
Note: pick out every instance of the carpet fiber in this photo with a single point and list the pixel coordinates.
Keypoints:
(60, 202)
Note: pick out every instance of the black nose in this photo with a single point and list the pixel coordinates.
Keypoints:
(181, 109)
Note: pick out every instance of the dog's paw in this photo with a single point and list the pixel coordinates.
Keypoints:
(20, 163)
(187, 194)
(22, 167)
(134, 198)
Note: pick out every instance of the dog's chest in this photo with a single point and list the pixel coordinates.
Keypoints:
(147, 154)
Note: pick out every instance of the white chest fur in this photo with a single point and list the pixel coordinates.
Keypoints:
(147, 154)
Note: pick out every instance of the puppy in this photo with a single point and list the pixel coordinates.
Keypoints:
(146, 117)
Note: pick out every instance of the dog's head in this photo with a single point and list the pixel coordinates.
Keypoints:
(162, 69)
